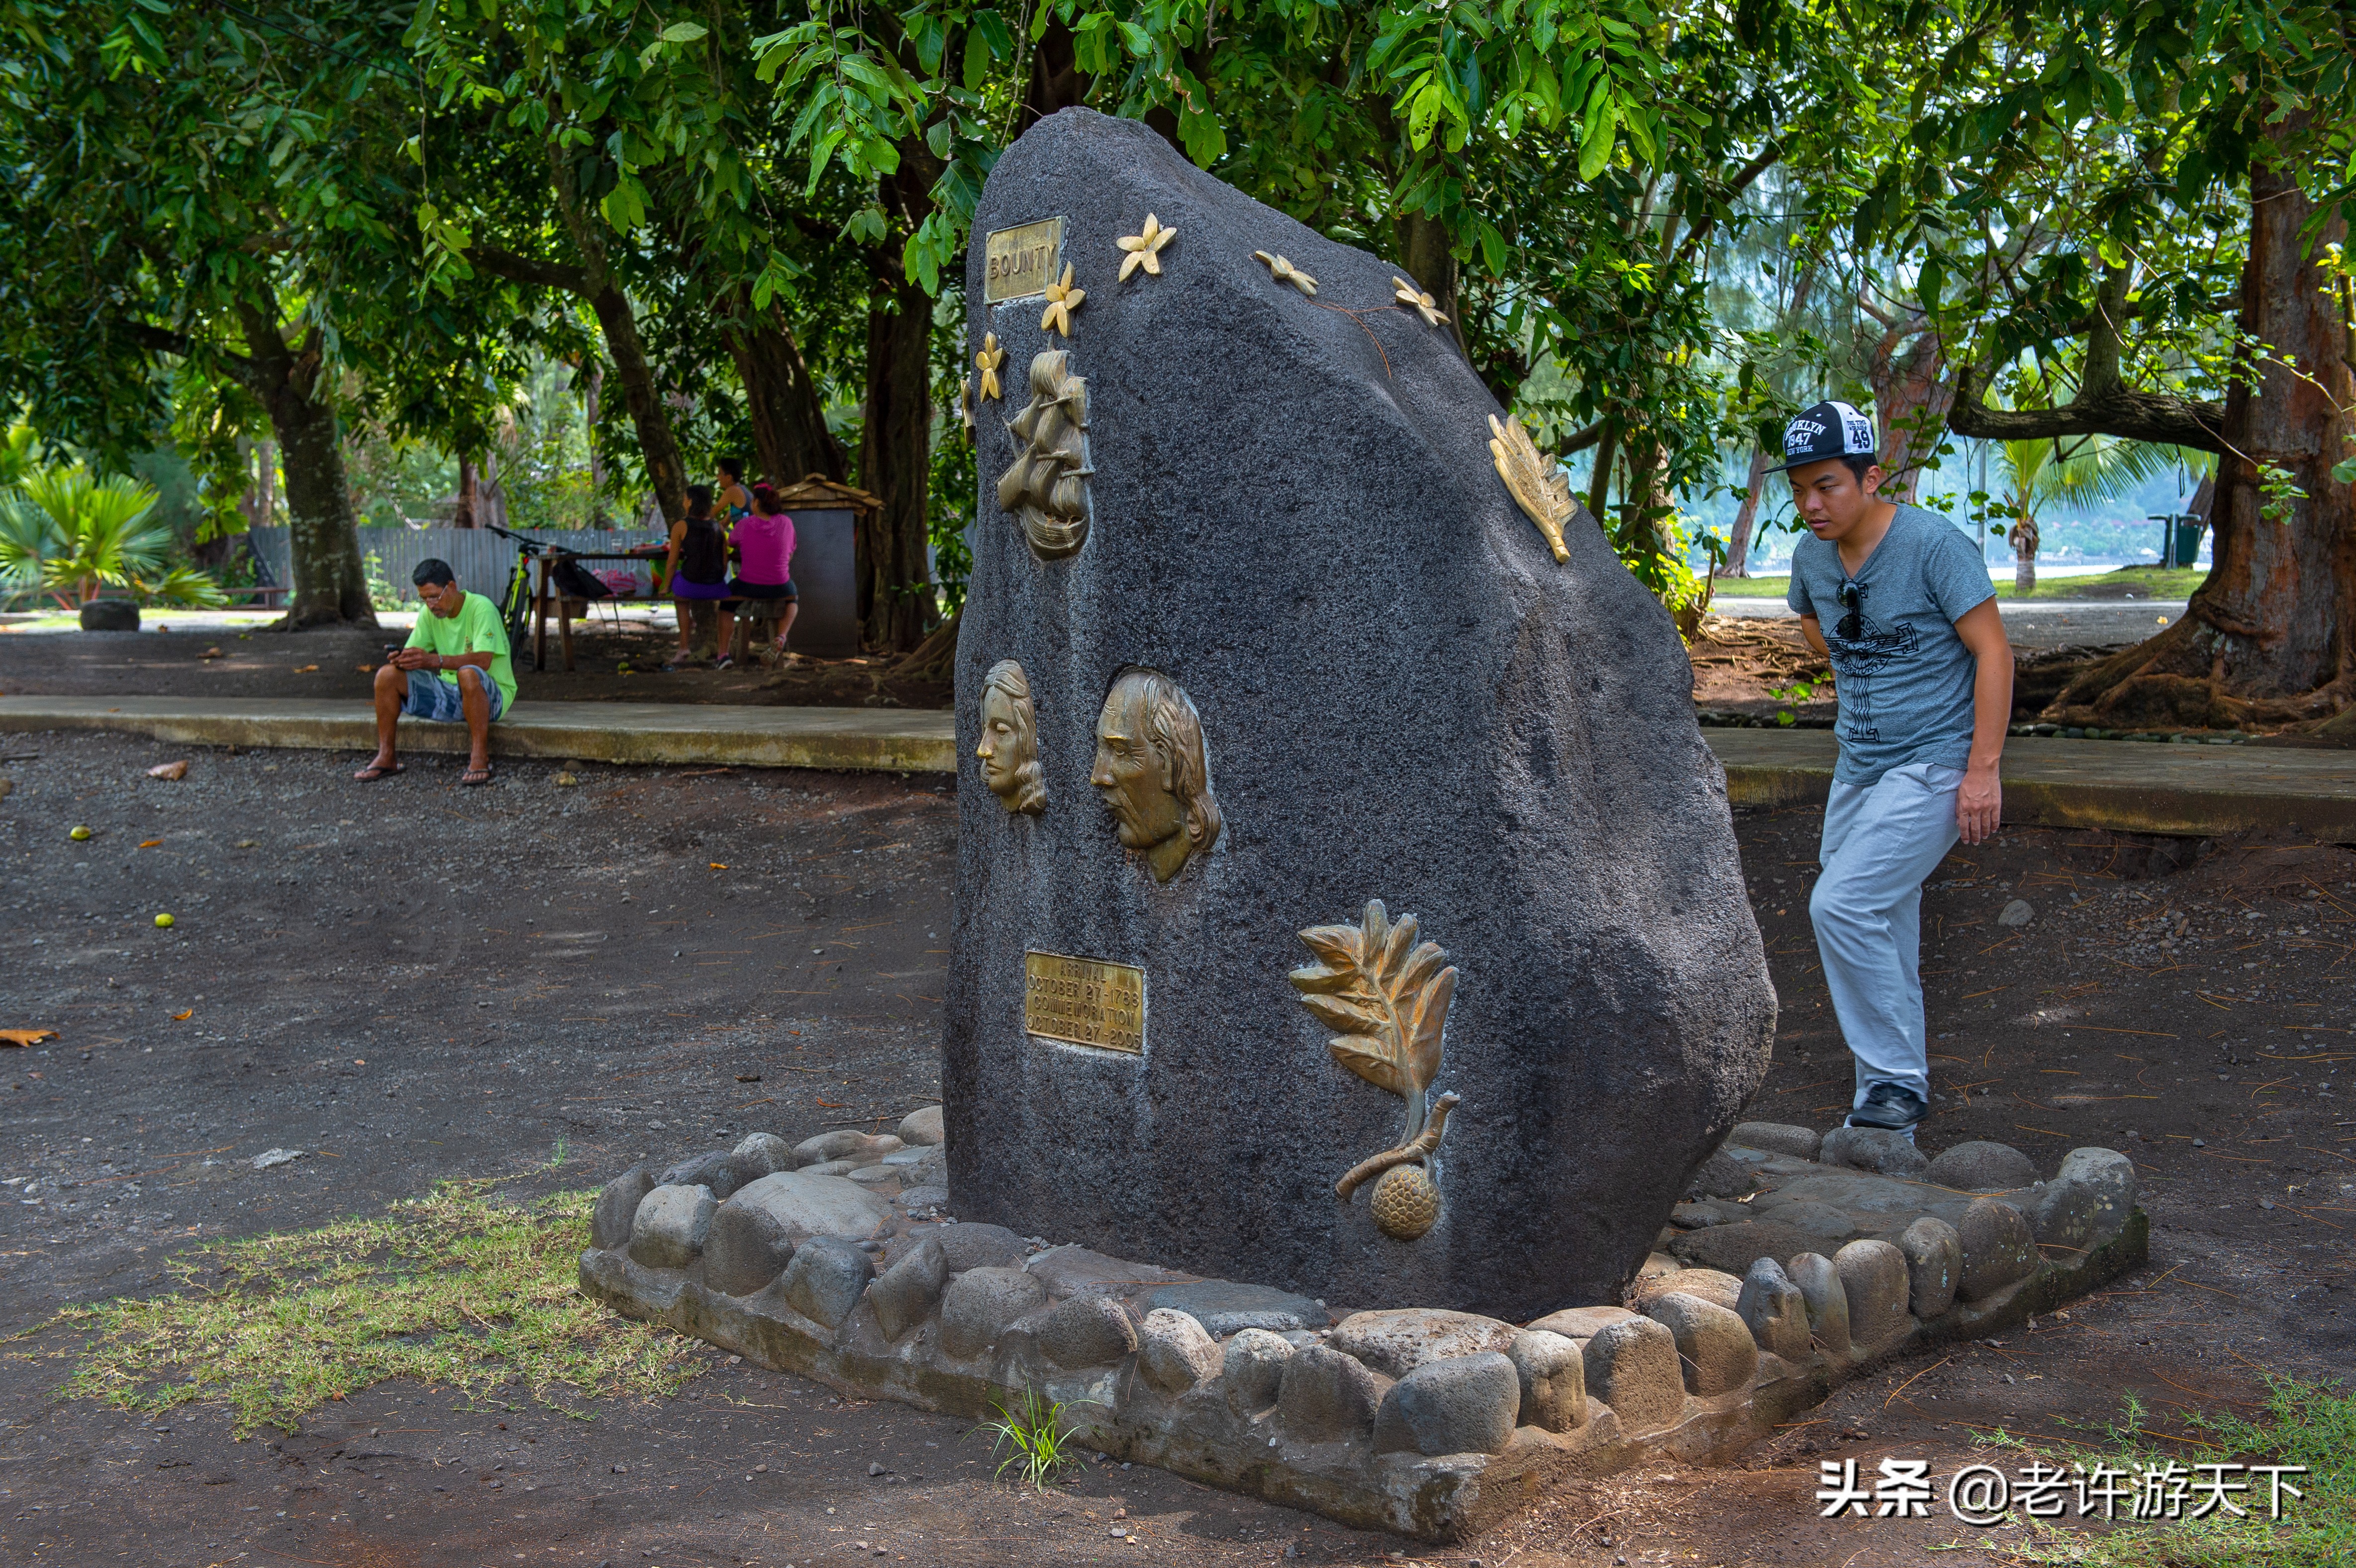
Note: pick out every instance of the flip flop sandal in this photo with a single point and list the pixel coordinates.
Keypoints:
(371, 773)
(474, 776)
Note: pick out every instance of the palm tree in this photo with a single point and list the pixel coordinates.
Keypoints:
(69, 533)
(2076, 469)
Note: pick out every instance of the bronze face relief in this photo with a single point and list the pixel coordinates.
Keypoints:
(1047, 486)
(1009, 748)
(1153, 773)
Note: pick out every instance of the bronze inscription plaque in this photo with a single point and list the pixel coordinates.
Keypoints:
(1023, 260)
(1084, 1002)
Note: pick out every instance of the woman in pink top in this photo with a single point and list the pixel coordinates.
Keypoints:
(765, 559)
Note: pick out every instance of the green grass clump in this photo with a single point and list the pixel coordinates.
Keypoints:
(2175, 584)
(1035, 1439)
(459, 1289)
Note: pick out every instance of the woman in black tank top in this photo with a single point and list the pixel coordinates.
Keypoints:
(699, 580)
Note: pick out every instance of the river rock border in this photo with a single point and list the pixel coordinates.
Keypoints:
(1795, 1263)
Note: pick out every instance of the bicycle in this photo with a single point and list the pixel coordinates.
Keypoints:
(515, 604)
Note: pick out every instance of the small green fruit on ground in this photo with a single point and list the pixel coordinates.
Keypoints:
(79, 833)
(163, 921)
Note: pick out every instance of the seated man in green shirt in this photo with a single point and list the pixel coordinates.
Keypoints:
(455, 667)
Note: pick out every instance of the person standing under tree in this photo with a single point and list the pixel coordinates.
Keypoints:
(454, 669)
(736, 502)
(1924, 676)
(698, 569)
(765, 577)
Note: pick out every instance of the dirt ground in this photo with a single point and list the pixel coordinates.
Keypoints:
(340, 663)
(409, 980)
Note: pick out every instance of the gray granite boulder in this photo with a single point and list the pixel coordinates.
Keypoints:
(1325, 1396)
(804, 1206)
(617, 1206)
(2112, 1176)
(904, 1295)
(1998, 1248)
(826, 1278)
(1582, 1322)
(2062, 1214)
(1251, 1372)
(1715, 1350)
(1395, 1343)
(1819, 1284)
(1775, 1312)
(981, 1303)
(1777, 1138)
(1459, 1404)
(1553, 1373)
(1077, 1271)
(1632, 1366)
(723, 1170)
(1981, 1166)
(668, 1230)
(1818, 1221)
(921, 1128)
(1174, 1353)
(981, 1246)
(1223, 1306)
(1722, 1176)
(1537, 793)
(1731, 1248)
(1935, 1265)
(1710, 1284)
(747, 1248)
(843, 1144)
(1874, 1149)
(766, 1152)
(1874, 1278)
(1087, 1331)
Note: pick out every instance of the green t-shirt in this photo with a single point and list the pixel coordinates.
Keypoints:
(475, 629)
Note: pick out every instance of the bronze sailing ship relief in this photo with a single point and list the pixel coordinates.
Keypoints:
(1047, 486)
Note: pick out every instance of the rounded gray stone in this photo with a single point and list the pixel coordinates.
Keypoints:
(2112, 1176)
(1875, 1149)
(1710, 1284)
(981, 1246)
(1722, 1176)
(1777, 1138)
(1777, 1314)
(1715, 1350)
(1458, 1404)
(981, 1303)
(1820, 1287)
(617, 1206)
(1818, 1222)
(1226, 1306)
(826, 1278)
(805, 1206)
(721, 1170)
(765, 1153)
(904, 1295)
(1087, 1331)
(1873, 1277)
(1981, 1166)
(1632, 1366)
(670, 1225)
(1552, 1370)
(1935, 1265)
(843, 1142)
(2062, 1214)
(1582, 1323)
(1251, 1372)
(746, 1250)
(110, 615)
(1325, 1396)
(1998, 1248)
(1395, 1343)
(922, 1128)
(1174, 1353)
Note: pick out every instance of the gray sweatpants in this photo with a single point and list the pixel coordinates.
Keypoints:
(1881, 841)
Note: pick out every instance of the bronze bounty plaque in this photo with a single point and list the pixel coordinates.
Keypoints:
(1084, 1002)
(1023, 260)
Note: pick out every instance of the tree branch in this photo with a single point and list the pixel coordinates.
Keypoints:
(2116, 410)
(524, 269)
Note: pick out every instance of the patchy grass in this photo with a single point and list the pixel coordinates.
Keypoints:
(2149, 582)
(459, 1289)
(2312, 1424)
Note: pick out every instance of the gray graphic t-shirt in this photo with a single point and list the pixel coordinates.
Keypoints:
(1903, 677)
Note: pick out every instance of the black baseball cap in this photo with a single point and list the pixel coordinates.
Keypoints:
(1826, 430)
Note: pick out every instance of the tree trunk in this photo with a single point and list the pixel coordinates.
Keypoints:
(1911, 395)
(895, 586)
(2266, 637)
(259, 502)
(330, 585)
(666, 471)
(470, 485)
(1430, 260)
(2024, 541)
(1738, 547)
(789, 434)
(598, 516)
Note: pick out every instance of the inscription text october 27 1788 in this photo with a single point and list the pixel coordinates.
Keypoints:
(1084, 1001)
(1022, 262)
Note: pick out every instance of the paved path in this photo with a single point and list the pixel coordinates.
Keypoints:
(2029, 623)
(2131, 786)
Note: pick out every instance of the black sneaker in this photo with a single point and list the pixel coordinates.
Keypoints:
(1892, 1107)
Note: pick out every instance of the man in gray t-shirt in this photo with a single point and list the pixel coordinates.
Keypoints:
(1900, 602)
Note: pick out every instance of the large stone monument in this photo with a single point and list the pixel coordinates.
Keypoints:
(1346, 900)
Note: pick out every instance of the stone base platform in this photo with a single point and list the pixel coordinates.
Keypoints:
(836, 1259)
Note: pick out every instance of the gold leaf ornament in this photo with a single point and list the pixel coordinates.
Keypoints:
(1283, 270)
(1537, 484)
(1145, 248)
(987, 360)
(1415, 300)
(1062, 300)
(1385, 997)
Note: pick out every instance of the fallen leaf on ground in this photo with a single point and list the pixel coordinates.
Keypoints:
(210, 653)
(307, 669)
(365, 669)
(178, 1017)
(565, 780)
(168, 771)
(149, 843)
(718, 865)
(26, 1037)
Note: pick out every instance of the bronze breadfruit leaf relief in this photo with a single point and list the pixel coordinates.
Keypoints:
(1537, 481)
(1387, 997)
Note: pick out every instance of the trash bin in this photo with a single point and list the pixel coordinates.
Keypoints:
(2188, 541)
